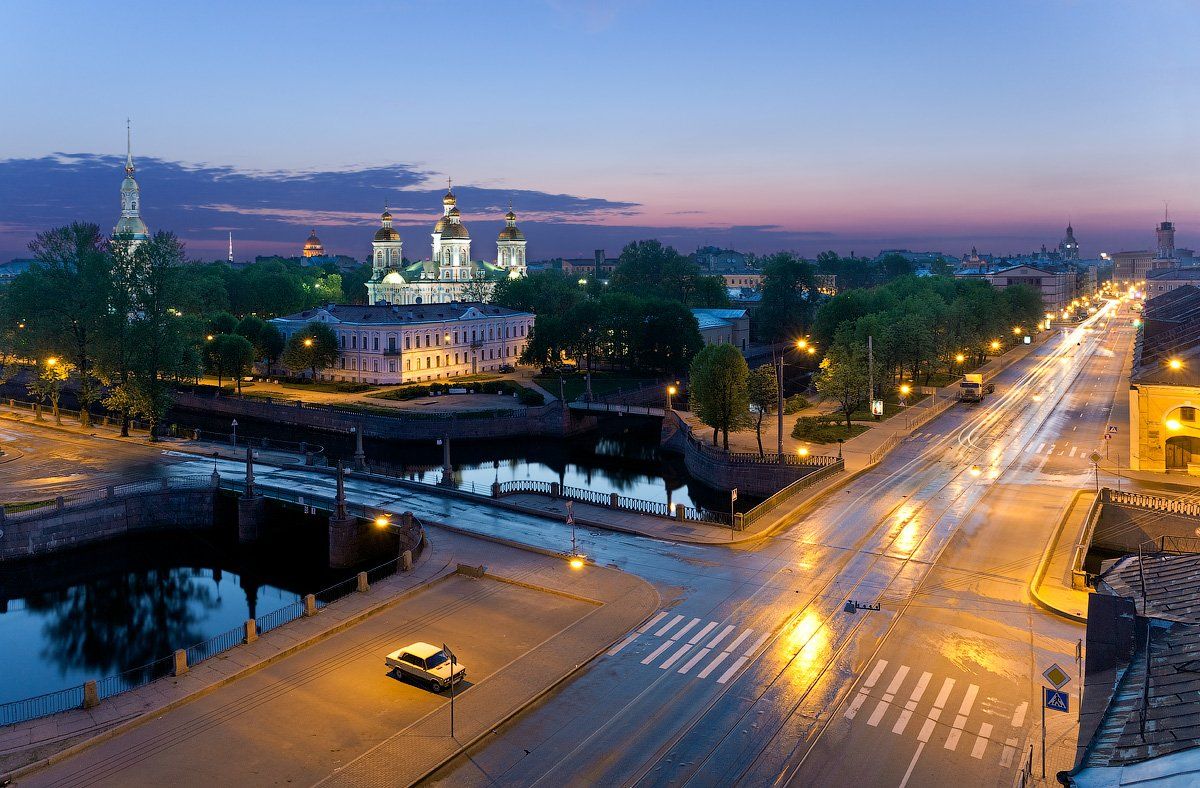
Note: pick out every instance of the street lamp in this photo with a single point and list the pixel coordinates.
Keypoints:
(905, 390)
(1175, 364)
(671, 392)
(995, 344)
(1016, 331)
(308, 342)
(51, 362)
(802, 452)
(801, 344)
(382, 521)
(209, 338)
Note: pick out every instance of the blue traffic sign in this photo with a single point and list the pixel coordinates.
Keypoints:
(1055, 700)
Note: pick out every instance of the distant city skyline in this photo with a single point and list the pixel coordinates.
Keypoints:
(850, 126)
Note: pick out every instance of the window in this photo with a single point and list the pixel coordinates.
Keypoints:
(375, 342)
(407, 342)
(456, 337)
(437, 361)
(354, 342)
(408, 365)
(1187, 414)
(392, 365)
(392, 346)
(374, 366)
(342, 341)
(343, 361)
(455, 358)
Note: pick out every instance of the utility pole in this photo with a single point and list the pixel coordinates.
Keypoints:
(871, 374)
(779, 407)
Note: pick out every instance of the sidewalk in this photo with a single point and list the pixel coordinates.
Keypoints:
(1051, 586)
(622, 602)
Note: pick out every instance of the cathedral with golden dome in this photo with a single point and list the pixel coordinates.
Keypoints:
(449, 274)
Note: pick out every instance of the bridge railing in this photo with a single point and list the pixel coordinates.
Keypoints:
(749, 458)
(86, 497)
(790, 493)
(610, 501)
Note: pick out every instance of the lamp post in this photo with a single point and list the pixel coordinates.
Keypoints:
(233, 432)
(801, 345)
(671, 392)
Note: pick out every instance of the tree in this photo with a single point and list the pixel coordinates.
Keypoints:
(649, 269)
(47, 384)
(270, 345)
(354, 284)
(763, 392)
(232, 355)
(314, 347)
(477, 289)
(63, 299)
(718, 389)
(788, 287)
(844, 377)
(251, 327)
(222, 323)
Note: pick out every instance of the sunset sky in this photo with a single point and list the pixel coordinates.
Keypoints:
(801, 125)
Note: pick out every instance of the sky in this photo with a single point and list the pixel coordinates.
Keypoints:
(852, 125)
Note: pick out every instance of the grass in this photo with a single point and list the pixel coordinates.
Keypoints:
(891, 407)
(399, 413)
(329, 388)
(825, 429)
(24, 506)
(602, 383)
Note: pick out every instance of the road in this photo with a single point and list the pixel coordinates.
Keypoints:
(754, 674)
(938, 687)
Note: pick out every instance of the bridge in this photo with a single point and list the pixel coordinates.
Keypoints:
(616, 407)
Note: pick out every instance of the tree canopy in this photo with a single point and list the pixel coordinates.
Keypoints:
(718, 389)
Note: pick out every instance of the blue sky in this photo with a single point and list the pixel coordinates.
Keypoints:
(805, 125)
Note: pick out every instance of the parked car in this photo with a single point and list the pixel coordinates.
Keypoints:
(427, 665)
(507, 368)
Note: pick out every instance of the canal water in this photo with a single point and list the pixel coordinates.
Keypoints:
(118, 606)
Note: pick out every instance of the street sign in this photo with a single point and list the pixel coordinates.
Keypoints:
(1107, 437)
(1056, 676)
(1055, 700)
(570, 512)
(1112, 429)
(733, 494)
(876, 407)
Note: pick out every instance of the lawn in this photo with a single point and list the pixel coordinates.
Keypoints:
(602, 383)
(329, 388)
(891, 407)
(825, 429)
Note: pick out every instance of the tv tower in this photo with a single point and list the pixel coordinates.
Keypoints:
(231, 247)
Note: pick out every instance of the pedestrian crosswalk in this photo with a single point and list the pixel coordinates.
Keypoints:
(899, 692)
(681, 644)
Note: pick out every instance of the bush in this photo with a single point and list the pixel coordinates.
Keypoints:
(531, 397)
(824, 429)
(795, 404)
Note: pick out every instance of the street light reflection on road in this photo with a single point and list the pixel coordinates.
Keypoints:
(808, 642)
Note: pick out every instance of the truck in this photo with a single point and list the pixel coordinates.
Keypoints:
(973, 389)
(425, 664)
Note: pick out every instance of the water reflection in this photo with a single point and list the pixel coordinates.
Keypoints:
(808, 641)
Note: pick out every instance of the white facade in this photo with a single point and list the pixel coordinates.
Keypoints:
(130, 227)
(450, 274)
(392, 344)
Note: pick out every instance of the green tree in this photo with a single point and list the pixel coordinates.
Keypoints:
(222, 323)
(314, 347)
(718, 389)
(354, 284)
(789, 287)
(763, 392)
(270, 345)
(46, 386)
(844, 378)
(232, 355)
(63, 298)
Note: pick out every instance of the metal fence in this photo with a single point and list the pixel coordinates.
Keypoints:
(789, 493)
(41, 705)
(111, 492)
(277, 618)
(215, 645)
(596, 498)
(748, 458)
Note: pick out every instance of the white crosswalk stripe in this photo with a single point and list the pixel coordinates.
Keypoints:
(882, 707)
(709, 627)
(617, 650)
(685, 646)
(859, 699)
(644, 628)
(668, 626)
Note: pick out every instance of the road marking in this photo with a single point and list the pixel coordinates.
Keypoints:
(750, 651)
(699, 655)
(623, 644)
(981, 741)
(911, 764)
(1010, 749)
(911, 704)
(666, 665)
(713, 643)
(733, 646)
(654, 654)
(867, 685)
(1051, 449)
(732, 669)
(1073, 450)
(646, 627)
(890, 694)
(696, 638)
(961, 719)
(713, 665)
(936, 712)
(672, 623)
(1019, 714)
(685, 630)
(1041, 446)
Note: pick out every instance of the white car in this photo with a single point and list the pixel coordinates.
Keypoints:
(426, 664)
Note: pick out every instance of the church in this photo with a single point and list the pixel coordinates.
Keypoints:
(130, 227)
(449, 275)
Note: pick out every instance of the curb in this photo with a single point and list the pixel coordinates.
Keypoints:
(1040, 573)
(149, 714)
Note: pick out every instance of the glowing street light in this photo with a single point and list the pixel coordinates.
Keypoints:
(1175, 364)
(801, 344)
(671, 392)
(995, 344)
(1173, 425)
(802, 452)
(575, 562)
(811, 350)
(308, 342)
(51, 362)
(959, 358)
(383, 521)
(209, 338)
(976, 470)
(1016, 331)
(905, 389)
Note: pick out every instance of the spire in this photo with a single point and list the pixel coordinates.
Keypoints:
(128, 146)
(231, 247)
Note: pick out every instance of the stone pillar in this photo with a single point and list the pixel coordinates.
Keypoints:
(363, 585)
(613, 500)
(447, 468)
(344, 531)
(91, 698)
(1, 514)
(406, 561)
(251, 631)
(250, 506)
(360, 456)
(679, 513)
(181, 665)
(58, 502)
(554, 488)
(310, 605)
(495, 489)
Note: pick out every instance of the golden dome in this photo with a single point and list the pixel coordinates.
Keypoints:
(313, 246)
(511, 234)
(449, 199)
(453, 231)
(387, 234)
(510, 216)
(386, 215)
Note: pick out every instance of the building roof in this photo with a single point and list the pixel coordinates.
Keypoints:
(715, 318)
(396, 314)
(1189, 274)
(1170, 329)
(1172, 584)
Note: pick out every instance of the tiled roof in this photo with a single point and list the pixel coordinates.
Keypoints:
(1170, 328)
(1172, 584)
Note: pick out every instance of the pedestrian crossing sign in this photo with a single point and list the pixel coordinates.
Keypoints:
(1056, 700)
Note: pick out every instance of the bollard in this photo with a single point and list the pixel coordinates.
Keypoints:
(181, 665)
(304, 447)
(679, 513)
(406, 561)
(91, 698)
(613, 500)
(362, 583)
(251, 631)
(308, 458)
(1, 514)
(58, 503)
(495, 489)
(554, 489)
(110, 491)
(310, 605)
(165, 485)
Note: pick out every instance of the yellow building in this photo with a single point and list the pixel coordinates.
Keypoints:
(1164, 387)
